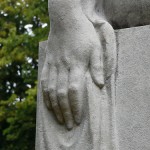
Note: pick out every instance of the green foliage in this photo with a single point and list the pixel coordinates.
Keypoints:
(22, 26)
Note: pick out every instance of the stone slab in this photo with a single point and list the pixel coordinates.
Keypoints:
(133, 88)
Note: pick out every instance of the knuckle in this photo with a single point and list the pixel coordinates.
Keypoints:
(45, 91)
(51, 90)
(44, 86)
(62, 93)
(54, 105)
(73, 88)
(67, 115)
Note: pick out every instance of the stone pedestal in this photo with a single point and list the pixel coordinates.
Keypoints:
(132, 91)
(133, 88)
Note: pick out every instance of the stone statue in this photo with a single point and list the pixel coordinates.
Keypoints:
(78, 75)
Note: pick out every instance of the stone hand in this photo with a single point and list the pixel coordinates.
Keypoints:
(68, 58)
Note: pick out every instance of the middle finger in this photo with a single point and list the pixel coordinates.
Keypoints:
(62, 96)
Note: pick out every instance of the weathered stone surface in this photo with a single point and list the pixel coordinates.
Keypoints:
(96, 130)
(132, 97)
(79, 57)
(77, 79)
(133, 88)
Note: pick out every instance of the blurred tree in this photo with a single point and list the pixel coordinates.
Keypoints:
(23, 23)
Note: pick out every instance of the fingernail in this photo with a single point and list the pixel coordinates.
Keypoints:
(77, 120)
(101, 86)
(69, 125)
(101, 82)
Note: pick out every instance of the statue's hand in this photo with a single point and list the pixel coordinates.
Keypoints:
(63, 75)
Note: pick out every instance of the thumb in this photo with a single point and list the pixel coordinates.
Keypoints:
(96, 67)
(108, 35)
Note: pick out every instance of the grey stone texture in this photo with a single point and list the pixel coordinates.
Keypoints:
(77, 80)
(119, 13)
(131, 104)
(127, 13)
(96, 130)
(83, 101)
(133, 88)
